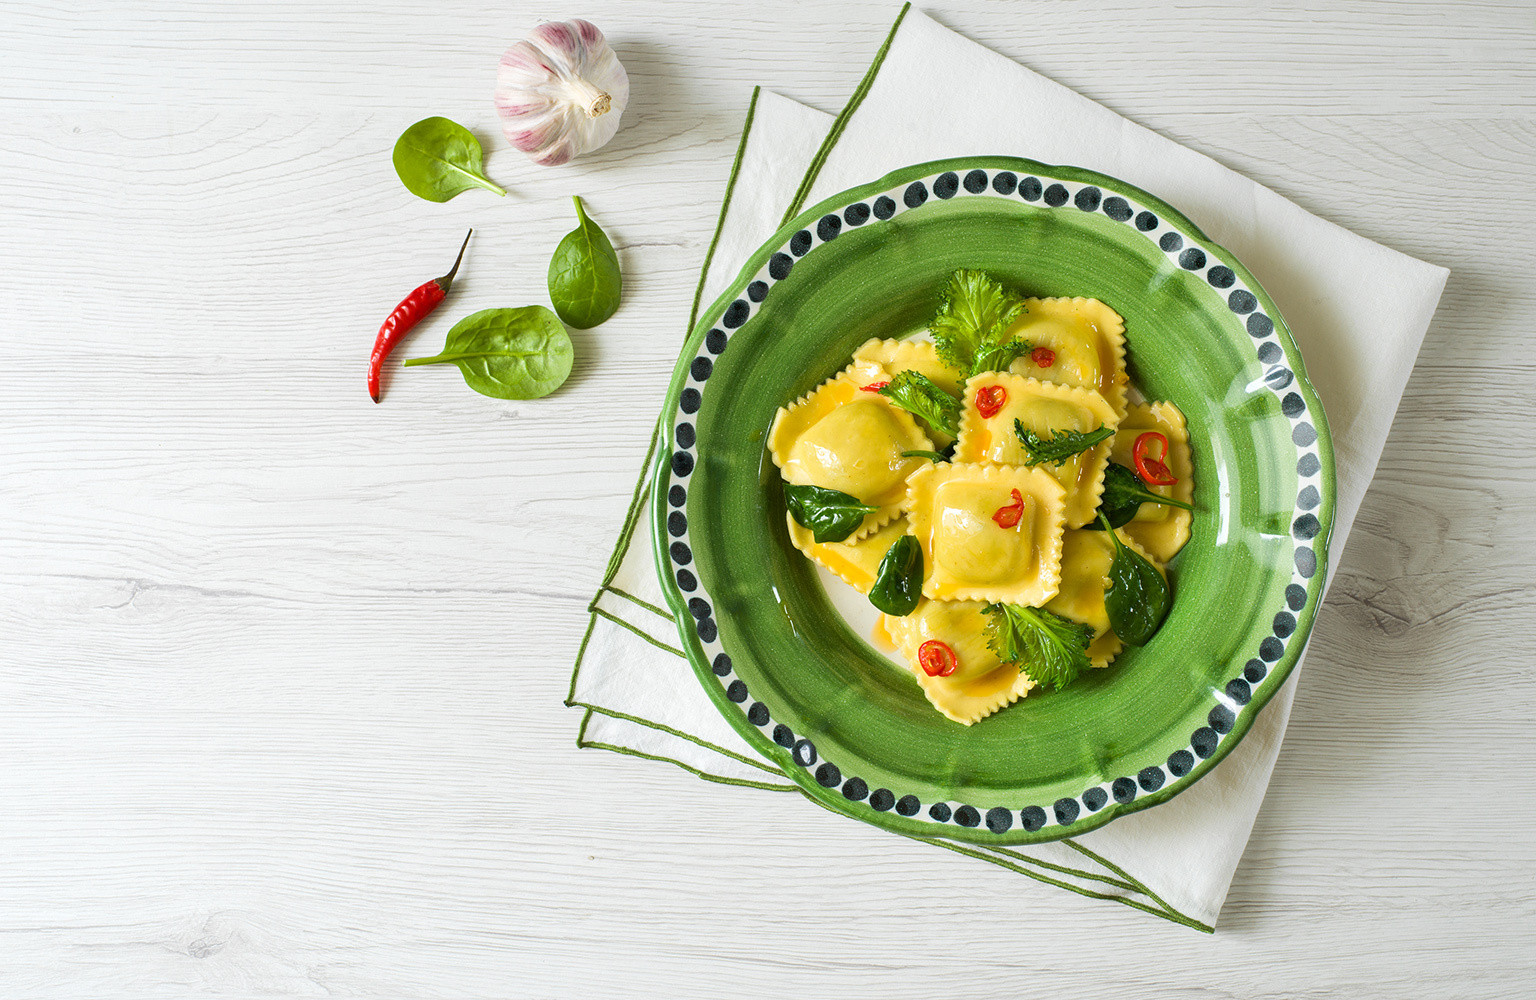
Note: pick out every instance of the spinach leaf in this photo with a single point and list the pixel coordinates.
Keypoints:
(1137, 598)
(1049, 648)
(917, 393)
(899, 580)
(1060, 446)
(933, 456)
(971, 327)
(584, 279)
(831, 515)
(519, 353)
(1123, 496)
(437, 158)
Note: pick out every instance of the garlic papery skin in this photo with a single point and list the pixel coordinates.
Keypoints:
(561, 91)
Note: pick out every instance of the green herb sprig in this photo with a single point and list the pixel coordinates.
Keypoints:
(1049, 648)
(970, 331)
(920, 395)
(1060, 446)
(831, 515)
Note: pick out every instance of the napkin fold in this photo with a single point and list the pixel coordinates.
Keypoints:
(1357, 310)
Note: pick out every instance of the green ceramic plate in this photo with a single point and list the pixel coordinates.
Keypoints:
(807, 691)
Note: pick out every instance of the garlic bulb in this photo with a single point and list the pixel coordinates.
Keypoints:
(561, 91)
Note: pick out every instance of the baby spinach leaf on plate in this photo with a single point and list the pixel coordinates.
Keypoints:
(1137, 598)
(438, 158)
(1123, 496)
(831, 515)
(521, 353)
(899, 580)
(1060, 446)
(584, 280)
(918, 394)
(1049, 648)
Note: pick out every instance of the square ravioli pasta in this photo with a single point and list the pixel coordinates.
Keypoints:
(988, 435)
(840, 436)
(1160, 530)
(987, 532)
(981, 682)
(897, 356)
(1086, 341)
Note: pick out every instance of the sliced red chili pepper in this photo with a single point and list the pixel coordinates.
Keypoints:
(875, 386)
(1007, 517)
(411, 310)
(937, 659)
(1152, 469)
(990, 399)
(1043, 356)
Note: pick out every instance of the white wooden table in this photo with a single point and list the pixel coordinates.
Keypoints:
(281, 670)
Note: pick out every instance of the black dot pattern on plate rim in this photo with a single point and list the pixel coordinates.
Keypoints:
(1205, 740)
(736, 314)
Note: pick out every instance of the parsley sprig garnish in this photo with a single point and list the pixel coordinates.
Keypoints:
(917, 393)
(1049, 648)
(1060, 446)
(970, 331)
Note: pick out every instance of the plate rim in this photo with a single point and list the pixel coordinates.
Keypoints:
(688, 626)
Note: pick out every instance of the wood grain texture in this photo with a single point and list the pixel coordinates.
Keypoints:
(281, 669)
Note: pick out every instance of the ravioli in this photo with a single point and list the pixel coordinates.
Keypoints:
(897, 356)
(968, 553)
(841, 437)
(1087, 339)
(857, 562)
(1045, 408)
(1161, 531)
(981, 683)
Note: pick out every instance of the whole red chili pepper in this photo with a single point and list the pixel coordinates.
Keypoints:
(407, 314)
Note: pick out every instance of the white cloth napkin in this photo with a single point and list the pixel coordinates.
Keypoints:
(1358, 312)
